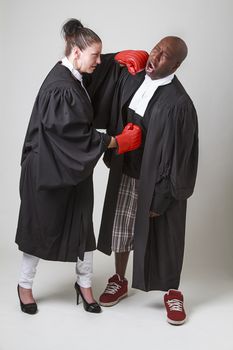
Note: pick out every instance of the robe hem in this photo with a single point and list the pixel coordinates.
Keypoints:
(49, 258)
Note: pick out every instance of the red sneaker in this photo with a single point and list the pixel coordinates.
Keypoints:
(174, 302)
(116, 290)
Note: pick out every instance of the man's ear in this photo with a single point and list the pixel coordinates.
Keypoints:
(177, 65)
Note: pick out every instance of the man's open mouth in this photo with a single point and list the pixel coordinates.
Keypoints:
(150, 67)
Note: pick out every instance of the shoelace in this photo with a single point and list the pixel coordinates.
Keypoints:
(112, 288)
(175, 305)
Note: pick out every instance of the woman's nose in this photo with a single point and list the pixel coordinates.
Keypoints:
(98, 60)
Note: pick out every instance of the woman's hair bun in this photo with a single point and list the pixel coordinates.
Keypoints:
(75, 34)
(71, 28)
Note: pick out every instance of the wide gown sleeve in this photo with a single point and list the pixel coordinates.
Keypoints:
(69, 146)
(101, 87)
(179, 157)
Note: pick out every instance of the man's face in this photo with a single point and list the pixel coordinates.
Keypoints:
(162, 60)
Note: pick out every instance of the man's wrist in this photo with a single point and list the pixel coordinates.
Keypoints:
(113, 143)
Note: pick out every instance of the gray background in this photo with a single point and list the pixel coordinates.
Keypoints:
(31, 44)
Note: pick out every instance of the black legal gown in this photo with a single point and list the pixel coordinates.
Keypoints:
(60, 151)
(167, 179)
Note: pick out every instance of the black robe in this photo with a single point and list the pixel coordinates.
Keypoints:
(167, 179)
(60, 151)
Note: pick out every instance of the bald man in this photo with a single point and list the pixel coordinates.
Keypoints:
(146, 197)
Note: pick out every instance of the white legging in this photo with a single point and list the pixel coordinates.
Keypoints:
(84, 270)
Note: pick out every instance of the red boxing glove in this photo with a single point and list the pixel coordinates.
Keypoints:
(130, 138)
(134, 60)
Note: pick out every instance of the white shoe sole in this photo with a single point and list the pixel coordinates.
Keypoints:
(114, 302)
(176, 323)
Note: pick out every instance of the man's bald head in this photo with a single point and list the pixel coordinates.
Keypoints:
(178, 45)
(166, 57)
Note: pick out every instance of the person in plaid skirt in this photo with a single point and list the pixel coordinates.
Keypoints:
(147, 192)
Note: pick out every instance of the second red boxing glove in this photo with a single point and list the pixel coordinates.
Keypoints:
(130, 138)
(134, 60)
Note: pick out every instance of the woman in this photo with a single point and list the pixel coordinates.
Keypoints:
(60, 151)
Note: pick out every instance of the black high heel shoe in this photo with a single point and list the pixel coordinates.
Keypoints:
(30, 308)
(92, 307)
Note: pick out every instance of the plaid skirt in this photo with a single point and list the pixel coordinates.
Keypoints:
(124, 221)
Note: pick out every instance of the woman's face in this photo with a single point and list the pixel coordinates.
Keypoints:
(88, 59)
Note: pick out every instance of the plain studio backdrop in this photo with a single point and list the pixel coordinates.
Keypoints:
(30, 45)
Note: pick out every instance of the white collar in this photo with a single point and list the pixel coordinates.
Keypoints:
(145, 92)
(69, 65)
(159, 82)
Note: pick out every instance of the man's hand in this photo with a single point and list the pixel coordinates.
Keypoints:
(134, 60)
(152, 214)
(130, 138)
